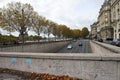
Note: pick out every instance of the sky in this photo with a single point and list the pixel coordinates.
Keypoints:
(76, 14)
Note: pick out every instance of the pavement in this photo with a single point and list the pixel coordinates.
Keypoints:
(9, 77)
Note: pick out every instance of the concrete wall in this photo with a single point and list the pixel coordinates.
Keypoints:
(98, 48)
(104, 47)
(85, 66)
(40, 48)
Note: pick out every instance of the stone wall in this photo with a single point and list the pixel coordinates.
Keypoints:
(39, 48)
(99, 49)
(85, 66)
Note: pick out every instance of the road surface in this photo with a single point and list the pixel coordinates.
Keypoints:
(85, 48)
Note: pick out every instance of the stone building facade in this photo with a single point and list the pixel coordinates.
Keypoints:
(94, 30)
(115, 17)
(109, 20)
(104, 21)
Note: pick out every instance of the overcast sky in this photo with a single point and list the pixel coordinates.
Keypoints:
(73, 13)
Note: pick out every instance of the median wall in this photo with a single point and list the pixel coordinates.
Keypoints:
(102, 48)
(85, 66)
(39, 48)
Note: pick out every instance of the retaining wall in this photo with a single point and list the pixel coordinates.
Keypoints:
(37, 48)
(108, 47)
(99, 48)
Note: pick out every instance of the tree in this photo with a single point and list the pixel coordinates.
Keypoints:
(48, 29)
(84, 32)
(54, 27)
(17, 17)
(64, 31)
(76, 33)
(38, 23)
(0, 17)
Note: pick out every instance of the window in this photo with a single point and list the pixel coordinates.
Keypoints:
(115, 36)
(119, 36)
(106, 19)
(118, 30)
(118, 11)
(114, 15)
(106, 7)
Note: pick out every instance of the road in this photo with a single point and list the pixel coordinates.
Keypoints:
(85, 48)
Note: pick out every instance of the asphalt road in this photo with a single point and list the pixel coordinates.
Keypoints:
(85, 48)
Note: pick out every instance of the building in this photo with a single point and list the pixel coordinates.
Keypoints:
(94, 30)
(115, 17)
(104, 28)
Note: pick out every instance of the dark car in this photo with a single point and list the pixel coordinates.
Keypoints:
(6, 43)
(100, 40)
(16, 42)
(114, 42)
(80, 44)
(117, 42)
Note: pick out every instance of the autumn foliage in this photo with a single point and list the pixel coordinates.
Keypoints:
(35, 76)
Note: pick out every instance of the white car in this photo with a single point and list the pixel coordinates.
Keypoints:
(69, 46)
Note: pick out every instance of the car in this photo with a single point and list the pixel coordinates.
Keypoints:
(16, 42)
(114, 42)
(118, 42)
(74, 40)
(108, 40)
(69, 46)
(80, 44)
(100, 40)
